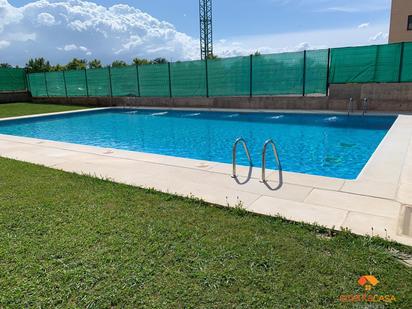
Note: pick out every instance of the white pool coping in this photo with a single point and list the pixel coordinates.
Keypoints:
(376, 203)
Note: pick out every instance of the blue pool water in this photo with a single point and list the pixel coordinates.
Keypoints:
(319, 144)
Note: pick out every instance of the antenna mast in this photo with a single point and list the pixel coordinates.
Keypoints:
(206, 33)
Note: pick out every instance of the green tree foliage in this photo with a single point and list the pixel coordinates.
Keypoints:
(76, 64)
(140, 61)
(58, 67)
(5, 65)
(211, 57)
(95, 64)
(118, 64)
(38, 65)
(159, 61)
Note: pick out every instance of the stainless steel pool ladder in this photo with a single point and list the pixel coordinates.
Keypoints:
(234, 151)
(275, 152)
(350, 106)
(365, 106)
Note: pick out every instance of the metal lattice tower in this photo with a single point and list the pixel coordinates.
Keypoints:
(206, 33)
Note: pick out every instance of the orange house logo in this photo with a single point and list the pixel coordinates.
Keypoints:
(368, 282)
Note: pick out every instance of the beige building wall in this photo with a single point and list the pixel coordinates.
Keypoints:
(401, 10)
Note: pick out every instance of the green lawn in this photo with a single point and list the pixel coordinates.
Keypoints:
(68, 240)
(21, 109)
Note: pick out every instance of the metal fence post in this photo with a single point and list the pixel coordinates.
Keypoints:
(376, 64)
(328, 72)
(110, 82)
(45, 84)
(207, 78)
(87, 83)
(25, 80)
(138, 80)
(304, 74)
(65, 85)
(170, 80)
(251, 77)
(28, 82)
(401, 62)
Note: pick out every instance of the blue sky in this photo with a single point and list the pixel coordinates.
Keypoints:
(235, 18)
(240, 27)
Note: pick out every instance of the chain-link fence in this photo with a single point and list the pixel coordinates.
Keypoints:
(297, 73)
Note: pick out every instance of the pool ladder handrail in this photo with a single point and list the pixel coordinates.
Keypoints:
(275, 152)
(365, 106)
(234, 151)
(350, 106)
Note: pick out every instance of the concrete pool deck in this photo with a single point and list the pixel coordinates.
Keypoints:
(378, 202)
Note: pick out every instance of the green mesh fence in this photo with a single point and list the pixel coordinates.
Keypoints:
(229, 77)
(125, 81)
(388, 60)
(12, 79)
(76, 83)
(38, 86)
(55, 84)
(316, 72)
(188, 79)
(352, 64)
(366, 64)
(154, 80)
(278, 74)
(406, 75)
(98, 82)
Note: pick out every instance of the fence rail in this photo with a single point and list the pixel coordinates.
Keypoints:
(299, 73)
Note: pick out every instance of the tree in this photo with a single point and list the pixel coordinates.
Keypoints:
(57, 68)
(38, 65)
(140, 61)
(5, 65)
(257, 53)
(95, 64)
(159, 61)
(212, 57)
(76, 64)
(118, 64)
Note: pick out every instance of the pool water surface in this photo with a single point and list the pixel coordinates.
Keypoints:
(319, 144)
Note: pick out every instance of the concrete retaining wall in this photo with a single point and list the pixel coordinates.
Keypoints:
(12, 97)
(381, 97)
(310, 103)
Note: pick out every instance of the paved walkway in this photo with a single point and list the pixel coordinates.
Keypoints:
(374, 204)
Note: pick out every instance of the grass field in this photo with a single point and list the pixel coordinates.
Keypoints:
(68, 240)
(21, 109)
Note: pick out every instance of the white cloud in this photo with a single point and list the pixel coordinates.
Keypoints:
(8, 15)
(298, 41)
(4, 44)
(354, 6)
(364, 25)
(234, 49)
(81, 28)
(74, 47)
(68, 47)
(379, 36)
(46, 19)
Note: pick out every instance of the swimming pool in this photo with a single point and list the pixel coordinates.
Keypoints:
(319, 144)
